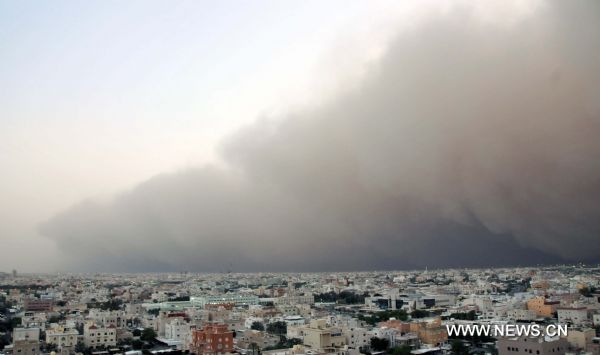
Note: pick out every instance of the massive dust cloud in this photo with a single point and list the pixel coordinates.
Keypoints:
(467, 144)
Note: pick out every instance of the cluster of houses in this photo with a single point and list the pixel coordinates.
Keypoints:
(294, 314)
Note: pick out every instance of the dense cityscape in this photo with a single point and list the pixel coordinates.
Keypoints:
(398, 313)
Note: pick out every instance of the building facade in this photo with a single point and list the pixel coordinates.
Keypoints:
(212, 339)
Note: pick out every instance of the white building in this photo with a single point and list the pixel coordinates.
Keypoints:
(521, 314)
(572, 315)
(596, 319)
(357, 338)
(387, 333)
(294, 299)
(294, 320)
(177, 329)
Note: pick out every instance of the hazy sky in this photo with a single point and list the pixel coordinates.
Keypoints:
(269, 134)
(97, 96)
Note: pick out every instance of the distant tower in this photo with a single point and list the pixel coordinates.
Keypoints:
(14, 273)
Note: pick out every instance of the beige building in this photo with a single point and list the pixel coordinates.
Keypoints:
(26, 334)
(248, 337)
(94, 336)
(532, 346)
(24, 347)
(25, 342)
(320, 337)
(62, 337)
(579, 339)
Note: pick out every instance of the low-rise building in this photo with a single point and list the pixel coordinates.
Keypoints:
(323, 338)
(212, 339)
(26, 334)
(542, 307)
(532, 346)
(575, 316)
(95, 336)
(62, 337)
(580, 338)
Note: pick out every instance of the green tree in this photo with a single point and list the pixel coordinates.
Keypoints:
(81, 348)
(419, 313)
(459, 348)
(382, 316)
(471, 315)
(254, 347)
(587, 291)
(379, 344)
(277, 328)
(401, 350)
(148, 334)
(257, 326)
(154, 311)
(137, 344)
(14, 323)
